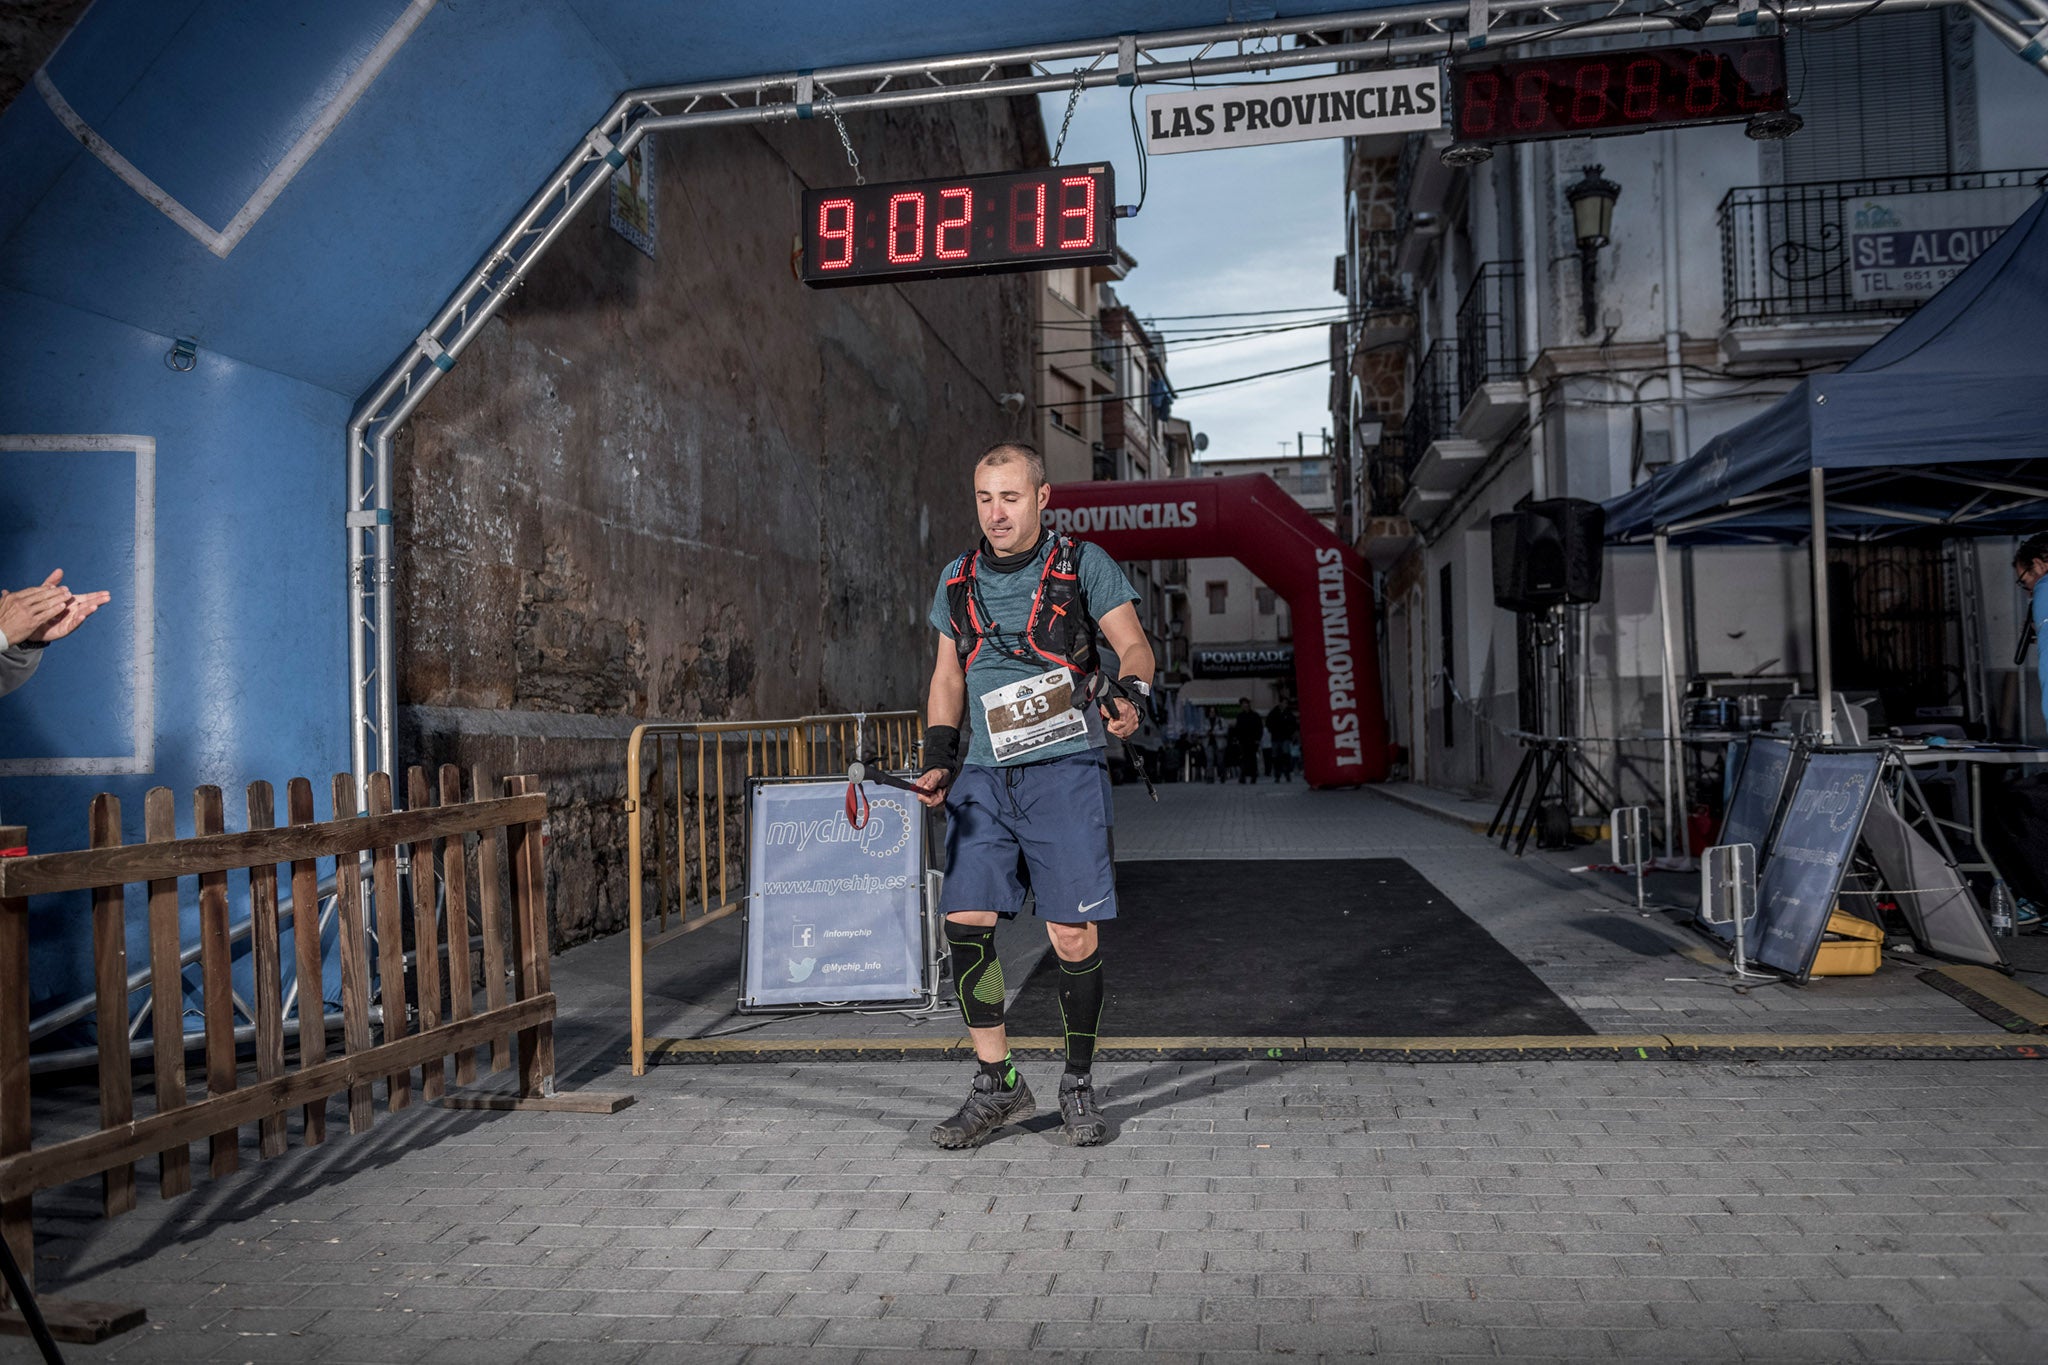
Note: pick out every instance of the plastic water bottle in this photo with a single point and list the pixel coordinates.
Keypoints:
(2001, 909)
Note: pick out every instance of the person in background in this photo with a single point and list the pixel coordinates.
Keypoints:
(1245, 734)
(2030, 571)
(1284, 728)
(32, 619)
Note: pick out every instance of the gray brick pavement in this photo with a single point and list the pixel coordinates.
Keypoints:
(1649, 1211)
(1590, 1212)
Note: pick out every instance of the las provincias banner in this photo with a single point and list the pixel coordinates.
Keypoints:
(1351, 105)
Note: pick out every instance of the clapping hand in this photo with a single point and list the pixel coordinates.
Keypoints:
(46, 613)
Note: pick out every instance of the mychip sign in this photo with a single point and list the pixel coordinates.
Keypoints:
(1353, 105)
(834, 914)
(1907, 246)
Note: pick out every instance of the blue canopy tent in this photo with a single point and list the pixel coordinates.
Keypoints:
(1935, 430)
(1938, 426)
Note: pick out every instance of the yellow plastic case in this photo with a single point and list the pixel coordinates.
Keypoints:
(1852, 947)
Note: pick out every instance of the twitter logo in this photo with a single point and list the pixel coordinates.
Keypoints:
(801, 971)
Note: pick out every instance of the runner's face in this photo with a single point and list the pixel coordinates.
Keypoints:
(1008, 504)
(2027, 575)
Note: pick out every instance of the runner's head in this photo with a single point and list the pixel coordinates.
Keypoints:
(1010, 494)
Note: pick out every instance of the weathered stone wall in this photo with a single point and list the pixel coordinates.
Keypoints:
(690, 488)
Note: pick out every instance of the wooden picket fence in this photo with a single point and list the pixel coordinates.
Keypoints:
(494, 834)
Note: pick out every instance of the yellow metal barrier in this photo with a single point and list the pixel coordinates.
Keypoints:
(689, 778)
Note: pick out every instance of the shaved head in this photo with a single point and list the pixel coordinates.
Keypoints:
(1009, 452)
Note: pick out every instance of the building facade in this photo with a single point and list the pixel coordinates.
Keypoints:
(1489, 359)
(1105, 412)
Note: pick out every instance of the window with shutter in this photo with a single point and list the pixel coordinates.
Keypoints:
(1875, 97)
(1069, 410)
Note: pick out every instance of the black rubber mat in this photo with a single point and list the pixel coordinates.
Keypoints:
(1295, 947)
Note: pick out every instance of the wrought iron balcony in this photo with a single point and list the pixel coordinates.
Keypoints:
(1433, 400)
(1386, 475)
(1785, 254)
(1380, 287)
(1490, 329)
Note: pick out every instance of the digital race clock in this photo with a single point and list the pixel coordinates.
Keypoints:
(1610, 92)
(965, 225)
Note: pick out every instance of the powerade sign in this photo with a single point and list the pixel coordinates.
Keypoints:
(834, 913)
(1242, 661)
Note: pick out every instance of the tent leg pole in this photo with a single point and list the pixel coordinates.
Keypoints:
(1823, 641)
(1663, 543)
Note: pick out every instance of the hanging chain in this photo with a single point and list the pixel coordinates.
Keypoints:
(852, 157)
(1073, 99)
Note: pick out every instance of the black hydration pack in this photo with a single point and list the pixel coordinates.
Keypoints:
(1060, 632)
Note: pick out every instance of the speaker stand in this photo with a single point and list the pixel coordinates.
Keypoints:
(1549, 767)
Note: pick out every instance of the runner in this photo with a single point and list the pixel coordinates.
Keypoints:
(1019, 616)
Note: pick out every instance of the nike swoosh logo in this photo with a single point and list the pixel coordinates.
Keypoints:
(1084, 909)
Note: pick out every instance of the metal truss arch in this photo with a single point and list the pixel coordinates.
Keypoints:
(1360, 38)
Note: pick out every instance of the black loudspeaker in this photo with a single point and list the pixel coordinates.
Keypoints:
(1548, 554)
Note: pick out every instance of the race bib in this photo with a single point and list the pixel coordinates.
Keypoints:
(1023, 718)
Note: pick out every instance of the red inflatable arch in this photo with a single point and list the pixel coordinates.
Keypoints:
(1247, 518)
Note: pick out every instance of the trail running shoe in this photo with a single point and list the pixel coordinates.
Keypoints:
(2026, 916)
(986, 1110)
(1078, 1110)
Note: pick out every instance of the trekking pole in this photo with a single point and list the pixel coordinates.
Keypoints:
(858, 772)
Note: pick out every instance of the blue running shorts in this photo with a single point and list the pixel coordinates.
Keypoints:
(1057, 814)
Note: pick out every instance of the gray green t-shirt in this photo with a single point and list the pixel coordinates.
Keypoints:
(1007, 597)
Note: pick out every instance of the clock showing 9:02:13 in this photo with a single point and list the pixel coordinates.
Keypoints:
(962, 225)
(1617, 91)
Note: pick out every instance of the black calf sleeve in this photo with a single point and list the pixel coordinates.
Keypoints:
(977, 974)
(1081, 1009)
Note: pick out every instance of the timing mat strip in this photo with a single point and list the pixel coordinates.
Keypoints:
(1996, 996)
(1509, 1048)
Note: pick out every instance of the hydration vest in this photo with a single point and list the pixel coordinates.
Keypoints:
(1059, 633)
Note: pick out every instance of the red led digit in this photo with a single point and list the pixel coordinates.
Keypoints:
(1703, 84)
(906, 239)
(960, 225)
(1084, 211)
(1027, 206)
(1589, 93)
(842, 234)
(1759, 78)
(1532, 100)
(1639, 87)
(1480, 112)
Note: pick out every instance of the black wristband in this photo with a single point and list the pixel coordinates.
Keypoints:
(942, 747)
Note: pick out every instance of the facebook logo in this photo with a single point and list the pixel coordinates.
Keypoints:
(806, 935)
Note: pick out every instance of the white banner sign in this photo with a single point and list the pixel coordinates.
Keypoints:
(1404, 101)
(1907, 246)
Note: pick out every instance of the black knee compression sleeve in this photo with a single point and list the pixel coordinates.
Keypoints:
(977, 974)
(1081, 1008)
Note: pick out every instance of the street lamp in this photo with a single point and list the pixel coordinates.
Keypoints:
(1592, 199)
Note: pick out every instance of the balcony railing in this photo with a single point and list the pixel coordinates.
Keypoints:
(1386, 475)
(1785, 254)
(1105, 348)
(1433, 401)
(1379, 273)
(1490, 328)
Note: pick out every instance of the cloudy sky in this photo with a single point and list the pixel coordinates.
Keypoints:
(1245, 231)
